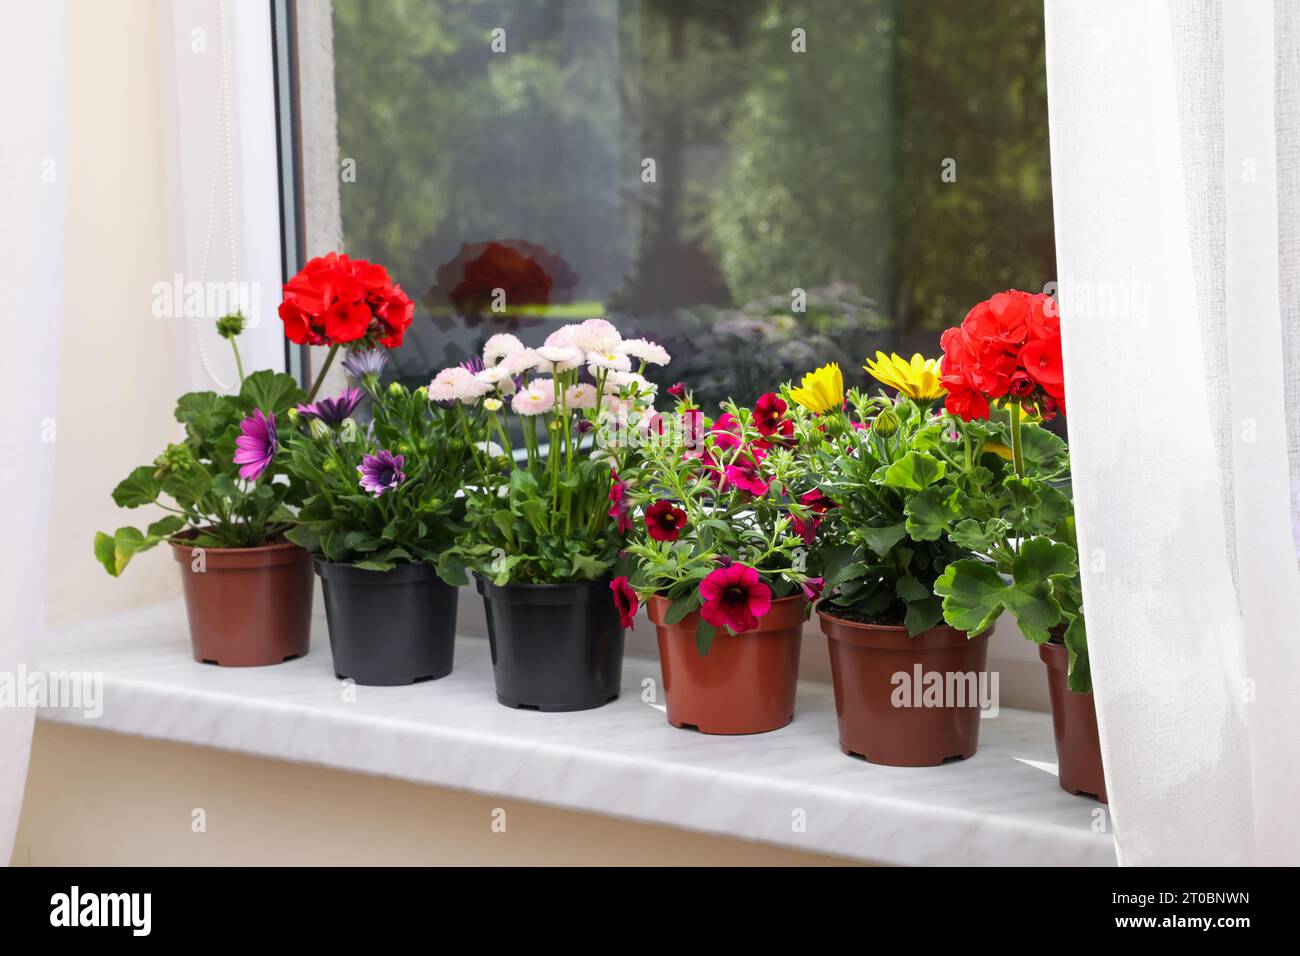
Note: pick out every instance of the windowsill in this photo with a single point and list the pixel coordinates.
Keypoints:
(623, 760)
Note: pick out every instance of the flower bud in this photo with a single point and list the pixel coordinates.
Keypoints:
(396, 389)
(228, 326)
(319, 429)
(492, 404)
(293, 416)
(886, 423)
(330, 466)
(422, 392)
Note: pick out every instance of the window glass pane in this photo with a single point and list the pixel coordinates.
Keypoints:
(684, 166)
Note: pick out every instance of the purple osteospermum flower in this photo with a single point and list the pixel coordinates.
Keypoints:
(365, 362)
(381, 472)
(332, 411)
(256, 445)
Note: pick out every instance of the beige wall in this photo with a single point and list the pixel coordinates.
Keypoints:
(116, 381)
(96, 798)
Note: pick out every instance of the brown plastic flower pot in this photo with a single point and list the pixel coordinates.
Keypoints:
(1074, 720)
(884, 714)
(248, 607)
(745, 684)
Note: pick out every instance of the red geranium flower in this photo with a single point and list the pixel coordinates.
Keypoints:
(733, 597)
(336, 300)
(664, 521)
(1042, 362)
(1010, 346)
(625, 600)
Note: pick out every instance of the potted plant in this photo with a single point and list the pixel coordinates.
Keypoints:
(907, 686)
(381, 510)
(720, 555)
(381, 517)
(545, 525)
(1003, 370)
(230, 505)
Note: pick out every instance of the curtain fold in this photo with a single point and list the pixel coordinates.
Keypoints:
(33, 174)
(1174, 136)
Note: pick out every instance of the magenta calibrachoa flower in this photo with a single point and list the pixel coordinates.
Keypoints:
(733, 597)
(256, 445)
(381, 472)
(332, 411)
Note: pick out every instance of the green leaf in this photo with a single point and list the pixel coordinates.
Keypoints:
(910, 589)
(682, 606)
(505, 522)
(703, 636)
(372, 565)
(915, 471)
(116, 552)
(273, 392)
(451, 568)
(207, 414)
(138, 488)
(882, 540)
(974, 594)
(165, 527)
(970, 535)
(1076, 641)
(922, 615)
(587, 567)
(1043, 451)
(930, 512)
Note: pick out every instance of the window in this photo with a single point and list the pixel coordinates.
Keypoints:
(762, 186)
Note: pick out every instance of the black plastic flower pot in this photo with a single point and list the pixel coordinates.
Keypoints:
(555, 647)
(389, 627)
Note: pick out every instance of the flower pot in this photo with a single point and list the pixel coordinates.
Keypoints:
(745, 684)
(247, 607)
(1074, 720)
(389, 627)
(555, 647)
(881, 677)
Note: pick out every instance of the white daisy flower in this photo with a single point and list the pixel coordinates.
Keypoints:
(580, 396)
(516, 363)
(499, 346)
(562, 337)
(596, 335)
(563, 358)
(610, 360)
(457, 384)
(535, 398)
(645, 350)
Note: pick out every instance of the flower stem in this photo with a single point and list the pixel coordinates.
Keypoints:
(320, 377)
(1017, 453)
(239, 365)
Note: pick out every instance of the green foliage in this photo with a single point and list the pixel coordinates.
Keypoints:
(935, 511)
(419, 519)
(724, 522)
(197, 480)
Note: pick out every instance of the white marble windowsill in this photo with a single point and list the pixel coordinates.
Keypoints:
(1003, 806)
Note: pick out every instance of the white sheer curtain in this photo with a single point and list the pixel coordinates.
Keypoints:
(1175, 128)
(33, 171)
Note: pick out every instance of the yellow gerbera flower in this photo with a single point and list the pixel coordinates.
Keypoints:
(917, 379)
(821, 391)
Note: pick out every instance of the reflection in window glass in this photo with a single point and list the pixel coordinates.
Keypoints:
(760, 186)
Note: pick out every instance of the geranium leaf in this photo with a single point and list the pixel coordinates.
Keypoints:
(915, 471)
(930, 512)
(882, 540)
(272, 392)
(141, 487)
